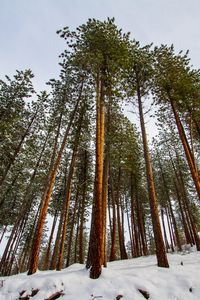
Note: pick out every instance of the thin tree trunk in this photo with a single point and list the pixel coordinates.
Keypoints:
(188, 212)
(133, 217)
(122, 226)
(66, 202)
(27, 202)
(91, 237)
(140, 218)
(104, 205)
(164, 230)
(169, 202)
(27, 244)
(76, 239)
(119, 223)
(160, 246)
(189, 239)
(192, 140)
(188, 153)
(13, 250)
(46, 259)
(6, 260)
(56, 245)
(81, 258)
(130, 232)
(8, 245)
(72, 228)
(41, 221)
(113, 233)
(170, 230)
(177, 238)
(53, 261)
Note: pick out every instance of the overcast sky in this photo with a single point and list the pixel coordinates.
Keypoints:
(28, 29)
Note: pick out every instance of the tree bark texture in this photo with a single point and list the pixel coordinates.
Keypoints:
(160, 246)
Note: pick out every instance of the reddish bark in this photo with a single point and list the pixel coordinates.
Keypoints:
(45, 203)
(96, 253)
(160, 246)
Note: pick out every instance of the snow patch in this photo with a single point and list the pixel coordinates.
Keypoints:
(121, 280)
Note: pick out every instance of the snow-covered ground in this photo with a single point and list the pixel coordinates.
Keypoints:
(180, 282)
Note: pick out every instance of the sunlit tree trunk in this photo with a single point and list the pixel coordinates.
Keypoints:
(104, 206)
(160, 246)
(45, 202)
(96, 253)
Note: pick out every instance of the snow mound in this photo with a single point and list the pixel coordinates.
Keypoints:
(121, 280)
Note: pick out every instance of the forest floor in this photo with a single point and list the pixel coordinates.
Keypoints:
(133, 279)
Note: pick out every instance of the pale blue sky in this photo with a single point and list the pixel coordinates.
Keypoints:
(28, 28)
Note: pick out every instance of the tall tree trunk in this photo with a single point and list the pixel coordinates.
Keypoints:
(104, 204)
(83, 202)
(96, 253)
(41, 221)
(119, 221)
(133, 218)
(113, 232)
(66, 202)
(160, 246)
(188, 153)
